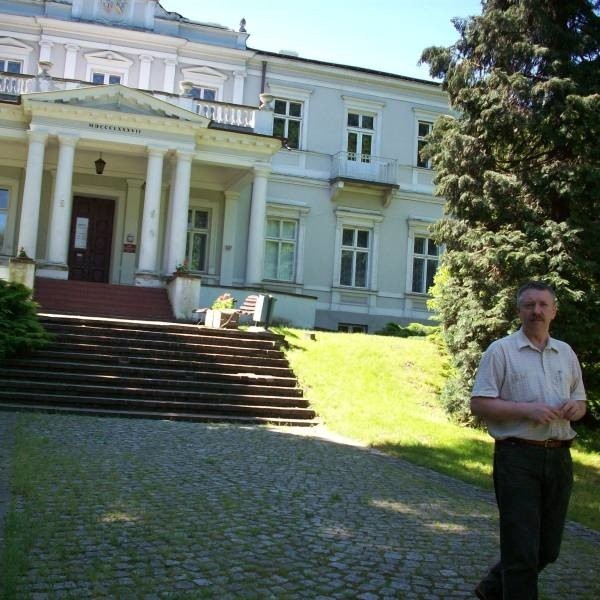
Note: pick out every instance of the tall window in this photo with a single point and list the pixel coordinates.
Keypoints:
(197, 240)
(204, 93)
(355, 257)
(360, 136)
(280, 249)
(3, 215)
(287, 121)
(425, 263)
(424, 129)
(10, 66)
(100, 78)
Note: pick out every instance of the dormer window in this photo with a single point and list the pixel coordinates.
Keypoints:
(11, 66)
(204, 93)
(105, 78)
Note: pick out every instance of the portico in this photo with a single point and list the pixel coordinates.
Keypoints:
(133, 217)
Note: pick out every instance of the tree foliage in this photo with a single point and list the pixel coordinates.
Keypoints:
(519, 167)
(20, 330)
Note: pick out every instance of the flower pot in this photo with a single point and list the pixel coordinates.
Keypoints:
(222, 318)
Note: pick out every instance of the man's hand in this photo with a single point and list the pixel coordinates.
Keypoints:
(572, 410)
(542, 413)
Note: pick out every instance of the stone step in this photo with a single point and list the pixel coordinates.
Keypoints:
(174, 333)
(190, 383)
(169, 360)
(167, 343)
(155, 369)
(125, 370)
(102, 299)
(247, 419)
(157, 405)
(142, 393)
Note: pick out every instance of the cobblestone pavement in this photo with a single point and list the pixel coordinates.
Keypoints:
(158, 509)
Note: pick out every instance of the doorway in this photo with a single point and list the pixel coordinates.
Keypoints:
(91, 239)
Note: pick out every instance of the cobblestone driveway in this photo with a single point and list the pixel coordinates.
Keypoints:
(157, 509)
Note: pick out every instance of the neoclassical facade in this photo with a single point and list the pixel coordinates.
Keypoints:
(135, 143)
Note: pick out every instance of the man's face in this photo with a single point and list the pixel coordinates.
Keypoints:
(537, 309)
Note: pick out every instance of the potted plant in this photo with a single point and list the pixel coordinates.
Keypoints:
(222, 313)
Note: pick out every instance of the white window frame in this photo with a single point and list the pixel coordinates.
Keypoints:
(12, 185)
(369, 108)
(206, 77)
(208, 238)
(417, 227)
(106, 77)
(360, 219)
(291, 212)
(214, 209)
(421, 138)
(280, 241)
(202, 89)
(294, 94)
(12, 49)
(361, 132)
(109, 63)
(425, 117)
(12, 60)
(287, 118)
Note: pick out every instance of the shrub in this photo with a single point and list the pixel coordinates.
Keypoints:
(414, 329)
(20, 330)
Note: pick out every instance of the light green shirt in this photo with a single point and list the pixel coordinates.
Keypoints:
(512, 368)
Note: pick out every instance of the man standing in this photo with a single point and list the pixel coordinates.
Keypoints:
(528, 388)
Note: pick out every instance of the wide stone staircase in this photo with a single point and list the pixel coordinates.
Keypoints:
(156, 370)
(69, 297)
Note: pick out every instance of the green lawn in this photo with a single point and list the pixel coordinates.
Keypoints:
(383, 391)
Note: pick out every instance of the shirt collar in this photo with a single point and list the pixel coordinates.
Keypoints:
(523, 342)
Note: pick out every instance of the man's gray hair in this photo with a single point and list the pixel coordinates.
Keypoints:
(535, 285)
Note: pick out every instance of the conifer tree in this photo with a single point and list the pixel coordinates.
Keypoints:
(519, 167)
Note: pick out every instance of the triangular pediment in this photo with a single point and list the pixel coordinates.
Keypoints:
(108, 57)
(115, 99)
(202, 72)
(11, 45)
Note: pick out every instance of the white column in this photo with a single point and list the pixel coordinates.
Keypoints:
(45, 50)
(229, 230)
(62, 202)
(167, 240)
(181, 200)
(30, 211)
(150, 218)
(238, 87)
(169, 77)
(144, 78)
(71, 51)
(256, 229)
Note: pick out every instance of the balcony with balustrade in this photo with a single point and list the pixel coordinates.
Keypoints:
(223, 115)
(374, 173)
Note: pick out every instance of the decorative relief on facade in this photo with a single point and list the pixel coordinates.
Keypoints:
(117, 7)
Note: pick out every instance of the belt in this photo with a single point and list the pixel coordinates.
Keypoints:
(542, 443)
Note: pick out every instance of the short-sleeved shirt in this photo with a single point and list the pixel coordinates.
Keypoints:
(512, 368)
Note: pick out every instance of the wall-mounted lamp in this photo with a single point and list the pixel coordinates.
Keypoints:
(100, 164)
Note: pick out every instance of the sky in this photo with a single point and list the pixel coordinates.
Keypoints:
(384, 35)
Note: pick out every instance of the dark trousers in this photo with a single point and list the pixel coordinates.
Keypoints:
(533, 486)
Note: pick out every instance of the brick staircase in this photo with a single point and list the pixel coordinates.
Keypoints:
(156, 370)
(70, 297)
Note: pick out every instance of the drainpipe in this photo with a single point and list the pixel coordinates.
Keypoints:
(263, 77)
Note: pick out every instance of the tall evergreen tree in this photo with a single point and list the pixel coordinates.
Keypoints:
(519, 167)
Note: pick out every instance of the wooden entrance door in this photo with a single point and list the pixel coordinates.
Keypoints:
(91, 239)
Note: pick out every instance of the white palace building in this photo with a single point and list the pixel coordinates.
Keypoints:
(135, 143)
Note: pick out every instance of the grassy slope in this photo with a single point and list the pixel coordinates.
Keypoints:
(383, 391)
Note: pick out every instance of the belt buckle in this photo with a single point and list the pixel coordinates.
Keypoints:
(548, 443)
